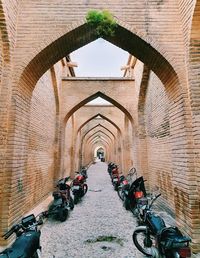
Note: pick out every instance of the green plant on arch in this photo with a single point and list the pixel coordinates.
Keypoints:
(102, 21)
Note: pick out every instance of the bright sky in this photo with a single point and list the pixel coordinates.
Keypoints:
(99, 101)
(99, 59)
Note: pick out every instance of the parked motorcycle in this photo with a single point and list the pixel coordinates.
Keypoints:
(133, 193)
(124, 183)
(79, 187)
(83, 172)
(111, 165)
(63, 202)
(155, 239)
(27, 243)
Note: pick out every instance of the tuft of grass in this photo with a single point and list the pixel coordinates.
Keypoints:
(103, 21)
(105, 239)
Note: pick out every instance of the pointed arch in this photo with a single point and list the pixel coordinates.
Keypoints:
(105, 118)
(91, 141)
(97, 133)
(94, 96)
(102, 127)
(79, 34)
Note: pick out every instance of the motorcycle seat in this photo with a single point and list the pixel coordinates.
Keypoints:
(182, 239)
(24, 246)
(176, 242)
(172, 237)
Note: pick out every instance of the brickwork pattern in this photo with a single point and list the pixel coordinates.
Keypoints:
(37, 34)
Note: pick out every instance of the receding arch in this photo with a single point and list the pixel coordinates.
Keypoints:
(109, 121)
(97, 138)
(99, 141)
(105, 118)
(99, 148)
(97, 133)
(99, 125)
(94, 96)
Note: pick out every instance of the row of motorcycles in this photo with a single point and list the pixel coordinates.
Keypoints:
(27, 242)
(63, 201)
(152, 236)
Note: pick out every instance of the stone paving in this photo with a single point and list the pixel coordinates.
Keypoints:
(100, 216)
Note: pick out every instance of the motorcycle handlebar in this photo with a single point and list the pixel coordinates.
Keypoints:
(19, 226)
(153, 199)
(158, 195)
(14, 229)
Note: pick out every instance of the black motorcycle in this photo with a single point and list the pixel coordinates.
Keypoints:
(27, 243)
(83, 172)
(155, 239)
(132, 193)
(63, 202)
(111, 166)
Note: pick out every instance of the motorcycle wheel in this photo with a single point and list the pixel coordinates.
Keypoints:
(115, 187)
(134, 210)
(37, 254)
(143, 244)
(85, 188)
(71, 203)
(63, 214)
(120, 193)
(76, 198)
(126, 204)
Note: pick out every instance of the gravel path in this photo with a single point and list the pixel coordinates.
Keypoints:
(100, 216)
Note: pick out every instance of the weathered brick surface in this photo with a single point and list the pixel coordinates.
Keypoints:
(41, 146)
(160, 170)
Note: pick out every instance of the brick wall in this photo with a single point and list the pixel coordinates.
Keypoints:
(160, 170)
(41, 146)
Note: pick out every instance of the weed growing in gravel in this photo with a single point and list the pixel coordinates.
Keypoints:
(105, 239)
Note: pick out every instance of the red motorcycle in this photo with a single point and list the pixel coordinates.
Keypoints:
(115, 177)
(123, 185)
(79, 187)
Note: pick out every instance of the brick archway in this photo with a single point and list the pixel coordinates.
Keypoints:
(103, 96)
(49, 53)
(95, 138)
(118, 143)
(98, 125)
(102, 116)
(79, 34)
(116, 139)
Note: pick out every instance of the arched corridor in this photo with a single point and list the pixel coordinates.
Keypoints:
(50, 127)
